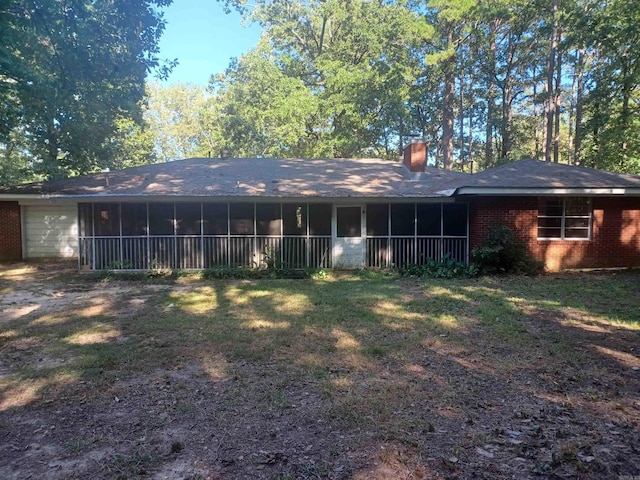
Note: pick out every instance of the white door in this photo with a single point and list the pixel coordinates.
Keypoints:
(348, 236)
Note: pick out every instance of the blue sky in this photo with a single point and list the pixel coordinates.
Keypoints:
(203, 39)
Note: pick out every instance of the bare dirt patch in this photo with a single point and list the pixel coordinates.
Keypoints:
(283, 379)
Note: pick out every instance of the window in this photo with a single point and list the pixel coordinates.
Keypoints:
(564, 218)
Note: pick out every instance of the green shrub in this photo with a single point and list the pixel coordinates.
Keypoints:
(446, 267)
(501, 252)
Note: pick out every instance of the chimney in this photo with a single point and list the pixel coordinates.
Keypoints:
(415, 155)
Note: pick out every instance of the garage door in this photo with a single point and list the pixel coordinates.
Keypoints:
(51, 231)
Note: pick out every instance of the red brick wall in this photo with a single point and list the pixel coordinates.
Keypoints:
(10, 231)
(615, 238)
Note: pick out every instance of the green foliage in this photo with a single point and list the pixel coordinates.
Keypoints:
(328, 79)
(177, 116)
(71, 71)
(447, 267)
(501, 252)
(248, 273)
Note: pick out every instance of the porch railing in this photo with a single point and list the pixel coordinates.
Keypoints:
(201, 252)
(402, 251)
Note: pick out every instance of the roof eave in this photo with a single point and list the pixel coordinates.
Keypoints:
(535, 191)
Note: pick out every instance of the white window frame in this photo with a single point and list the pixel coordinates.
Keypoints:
(563, 218)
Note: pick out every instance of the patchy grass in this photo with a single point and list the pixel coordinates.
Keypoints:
(347, 376)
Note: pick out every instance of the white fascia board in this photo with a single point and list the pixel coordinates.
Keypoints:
(548, 191)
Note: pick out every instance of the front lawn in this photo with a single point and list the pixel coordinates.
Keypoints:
(346, 377)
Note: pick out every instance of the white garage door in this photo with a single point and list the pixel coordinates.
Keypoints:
(51, 231)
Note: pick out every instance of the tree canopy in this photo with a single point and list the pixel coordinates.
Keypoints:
(72, 75)
(482, 81)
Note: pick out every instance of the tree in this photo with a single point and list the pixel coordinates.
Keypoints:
(174, 114)
(351, 64)
(73, 70)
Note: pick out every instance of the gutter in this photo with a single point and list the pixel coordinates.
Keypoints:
(513, 191)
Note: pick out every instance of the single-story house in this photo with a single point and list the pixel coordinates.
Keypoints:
(206, 212)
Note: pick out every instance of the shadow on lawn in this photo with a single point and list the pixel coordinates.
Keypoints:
(335, 379)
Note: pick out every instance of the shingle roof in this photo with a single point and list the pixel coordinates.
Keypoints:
(263, 177)
(534, 174)
(322, 178)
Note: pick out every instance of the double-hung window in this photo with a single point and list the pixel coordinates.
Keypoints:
(564, 218)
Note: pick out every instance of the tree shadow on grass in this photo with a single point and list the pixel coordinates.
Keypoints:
(331, 379)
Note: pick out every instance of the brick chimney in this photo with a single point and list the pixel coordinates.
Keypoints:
(415, 155)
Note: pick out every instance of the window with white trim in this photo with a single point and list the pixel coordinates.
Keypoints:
(564, 218)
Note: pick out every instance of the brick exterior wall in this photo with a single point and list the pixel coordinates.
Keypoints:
(615, 237)
(10, 232)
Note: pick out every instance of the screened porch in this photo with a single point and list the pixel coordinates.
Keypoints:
(202, 235)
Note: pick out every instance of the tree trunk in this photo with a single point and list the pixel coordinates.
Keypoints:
(491, 79)
(556, 108)
(551, 103)
(448, 99)
(461, 120)
(577, 145)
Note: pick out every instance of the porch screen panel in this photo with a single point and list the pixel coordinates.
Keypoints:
(378, 254)
(454, 230)
(215, 227)
(402, 219)
(215, 220)
(320, 235)
(377, 219)
(268, 219)
(320, 219)
(161, 221)
(134, 220)
(429, 219)
(106, 219)
(454, 219)
(348, 222)
(294, 219)
(403, 227)
(188, 219)
(134, 236)
(85, 217)
(241, 218)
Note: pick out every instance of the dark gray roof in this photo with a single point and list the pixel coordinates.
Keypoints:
(262, 177)
(535, 174)
(325, 178)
